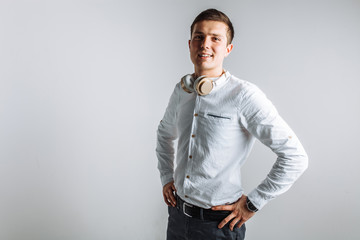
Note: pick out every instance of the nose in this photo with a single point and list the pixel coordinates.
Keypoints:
(206, 43)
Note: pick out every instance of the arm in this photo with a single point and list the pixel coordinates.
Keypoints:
(166, 136)
(260, 118)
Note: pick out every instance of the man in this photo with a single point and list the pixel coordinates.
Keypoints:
(216, 118)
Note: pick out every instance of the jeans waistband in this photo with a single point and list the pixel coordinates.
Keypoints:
(193, 211)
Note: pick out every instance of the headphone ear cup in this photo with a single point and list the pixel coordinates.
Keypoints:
(203, 85)
(187, 83)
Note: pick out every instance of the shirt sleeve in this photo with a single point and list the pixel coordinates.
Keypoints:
(261, 119)
(166, 136)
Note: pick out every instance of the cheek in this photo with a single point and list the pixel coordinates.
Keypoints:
(193, 48)
(225, 52)
(192, 53)
(221, 52)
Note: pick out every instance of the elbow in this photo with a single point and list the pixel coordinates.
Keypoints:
(304, 162)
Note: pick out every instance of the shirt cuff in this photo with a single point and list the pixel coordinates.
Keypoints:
(258, 199)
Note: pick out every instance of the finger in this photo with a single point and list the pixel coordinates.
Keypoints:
(226, 220)
(166, 200)
(173, 204)
(241, 223)
(173, 187)
(223, 207)
(233, 223)
(172, 199)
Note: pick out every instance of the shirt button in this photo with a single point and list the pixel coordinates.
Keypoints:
(193, 135)
(187, 176)
(190, 156)
(186, 196)
(196, 114)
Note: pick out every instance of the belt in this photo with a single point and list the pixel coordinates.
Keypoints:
(200, 213)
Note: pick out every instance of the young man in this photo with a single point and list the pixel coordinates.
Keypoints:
(216, 118)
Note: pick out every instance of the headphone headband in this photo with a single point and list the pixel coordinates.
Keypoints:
(202, 85)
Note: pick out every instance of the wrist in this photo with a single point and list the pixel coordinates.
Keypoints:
(250, 206)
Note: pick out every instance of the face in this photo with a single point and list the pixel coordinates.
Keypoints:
(208, 47)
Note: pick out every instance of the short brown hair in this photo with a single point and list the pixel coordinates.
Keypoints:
(212, 14)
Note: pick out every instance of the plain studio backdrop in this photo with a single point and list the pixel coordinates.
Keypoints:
(84, 84)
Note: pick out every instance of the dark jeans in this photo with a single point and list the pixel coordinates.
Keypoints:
(182, 227)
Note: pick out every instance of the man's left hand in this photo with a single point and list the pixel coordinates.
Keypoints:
(240, 213)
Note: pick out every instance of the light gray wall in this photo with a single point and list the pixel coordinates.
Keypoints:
(83, 85)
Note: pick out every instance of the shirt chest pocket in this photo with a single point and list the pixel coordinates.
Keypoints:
(218, 118)
(218, 124)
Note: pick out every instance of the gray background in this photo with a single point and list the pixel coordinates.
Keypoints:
(84, 84)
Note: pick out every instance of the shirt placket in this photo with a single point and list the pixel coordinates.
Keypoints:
(191, 149)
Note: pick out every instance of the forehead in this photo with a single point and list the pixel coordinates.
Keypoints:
(210, 27)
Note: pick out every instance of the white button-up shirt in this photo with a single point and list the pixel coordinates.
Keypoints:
(215, 135)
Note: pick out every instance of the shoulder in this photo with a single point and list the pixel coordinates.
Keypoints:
(243, 88)
(177, 89)
(250, 98)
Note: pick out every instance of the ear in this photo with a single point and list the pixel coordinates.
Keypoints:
(229, 49)
(189, 44)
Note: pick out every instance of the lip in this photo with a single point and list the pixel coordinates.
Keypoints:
(205, 55)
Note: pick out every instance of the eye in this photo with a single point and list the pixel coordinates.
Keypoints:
(198, 37)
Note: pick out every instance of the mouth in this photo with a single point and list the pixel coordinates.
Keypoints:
(205, 55)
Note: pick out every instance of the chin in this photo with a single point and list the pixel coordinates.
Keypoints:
(205, 68)
(205, 65)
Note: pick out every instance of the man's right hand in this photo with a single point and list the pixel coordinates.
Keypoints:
(168, 193)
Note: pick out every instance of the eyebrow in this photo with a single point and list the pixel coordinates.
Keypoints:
(213, 34)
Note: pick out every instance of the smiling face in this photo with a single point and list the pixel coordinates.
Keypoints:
(208, 47)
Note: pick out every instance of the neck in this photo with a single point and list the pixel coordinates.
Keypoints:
(213, 73)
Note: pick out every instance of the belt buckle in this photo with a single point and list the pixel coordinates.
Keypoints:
(185, 204)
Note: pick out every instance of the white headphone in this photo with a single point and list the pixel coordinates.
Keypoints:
(201, 85)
